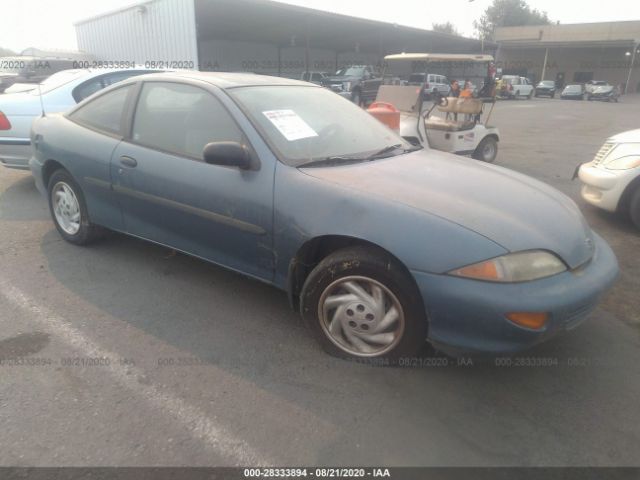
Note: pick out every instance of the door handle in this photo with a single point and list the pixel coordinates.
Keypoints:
(128, 161)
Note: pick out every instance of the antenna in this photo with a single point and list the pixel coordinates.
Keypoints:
(41, 102)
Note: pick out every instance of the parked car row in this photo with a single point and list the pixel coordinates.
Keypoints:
(512, 86)
(592, 90)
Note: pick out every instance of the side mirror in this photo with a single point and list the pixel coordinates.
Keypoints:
(228, 154)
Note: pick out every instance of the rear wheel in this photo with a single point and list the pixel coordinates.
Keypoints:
(361, 304)
(487, 150)
(634, 207)
(356, 97)
(69, 210)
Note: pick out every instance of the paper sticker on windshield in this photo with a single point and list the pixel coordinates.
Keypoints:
(290, 125)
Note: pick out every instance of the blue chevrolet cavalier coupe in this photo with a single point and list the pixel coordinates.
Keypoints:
(380, 245)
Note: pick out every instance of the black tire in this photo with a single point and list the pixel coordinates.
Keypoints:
(87, 232)
(364, 264)
(356, 97)
(552, 95)
(487, 150)
(529, 96)
(634, 207)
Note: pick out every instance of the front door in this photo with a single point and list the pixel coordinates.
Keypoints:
(170, 196)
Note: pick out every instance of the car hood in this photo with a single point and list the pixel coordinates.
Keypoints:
(630, 136)
(515, 211)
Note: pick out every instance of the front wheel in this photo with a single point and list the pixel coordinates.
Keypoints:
(487, 150)
(69, 210)
(361, 304)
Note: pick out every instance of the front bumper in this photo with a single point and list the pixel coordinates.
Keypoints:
(468, 316)
(15, 152)
(605, 97)
(603, 188)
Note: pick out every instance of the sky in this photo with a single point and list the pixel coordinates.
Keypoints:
(49, 23)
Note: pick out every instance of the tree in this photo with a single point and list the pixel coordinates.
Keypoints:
(446, 27)
(508, 13)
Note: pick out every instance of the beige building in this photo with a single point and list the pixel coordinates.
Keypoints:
(573, 53)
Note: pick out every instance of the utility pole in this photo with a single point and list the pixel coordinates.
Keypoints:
(636, 45)
(544, 64)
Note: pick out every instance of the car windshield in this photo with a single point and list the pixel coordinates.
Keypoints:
(417, 78)
(546, 83)
(573, 88)
(306, 124)
(57, 80)
(350, 72)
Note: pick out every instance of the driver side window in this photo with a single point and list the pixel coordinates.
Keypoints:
(181, 119)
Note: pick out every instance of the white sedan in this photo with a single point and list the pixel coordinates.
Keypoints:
(611, 181)
(58, 93)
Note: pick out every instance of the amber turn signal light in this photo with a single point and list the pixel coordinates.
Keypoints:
(533, 320)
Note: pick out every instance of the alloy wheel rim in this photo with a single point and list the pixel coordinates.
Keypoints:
(66, 208)
(361, 316)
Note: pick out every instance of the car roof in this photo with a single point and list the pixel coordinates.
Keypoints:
(224, 80)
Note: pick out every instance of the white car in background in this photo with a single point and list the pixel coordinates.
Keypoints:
(611, 181)
(57, 93)
(516, 86)
(591, 85)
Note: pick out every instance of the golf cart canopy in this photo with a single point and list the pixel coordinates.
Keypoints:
(440, 57)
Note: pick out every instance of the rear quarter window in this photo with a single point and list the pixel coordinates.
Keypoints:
(104, 113)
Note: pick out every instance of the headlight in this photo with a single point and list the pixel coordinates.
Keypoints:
(514, 267)
(346, 86)
(623, 157)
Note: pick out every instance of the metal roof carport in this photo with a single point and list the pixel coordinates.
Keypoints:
(301, 39)
(260, 36)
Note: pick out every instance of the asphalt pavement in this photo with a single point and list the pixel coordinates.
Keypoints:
(130, 355)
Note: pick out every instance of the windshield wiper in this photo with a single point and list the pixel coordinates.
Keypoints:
(382, 153)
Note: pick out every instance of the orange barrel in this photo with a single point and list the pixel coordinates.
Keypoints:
(386, 113)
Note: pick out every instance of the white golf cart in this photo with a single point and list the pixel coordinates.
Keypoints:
(450, 124)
